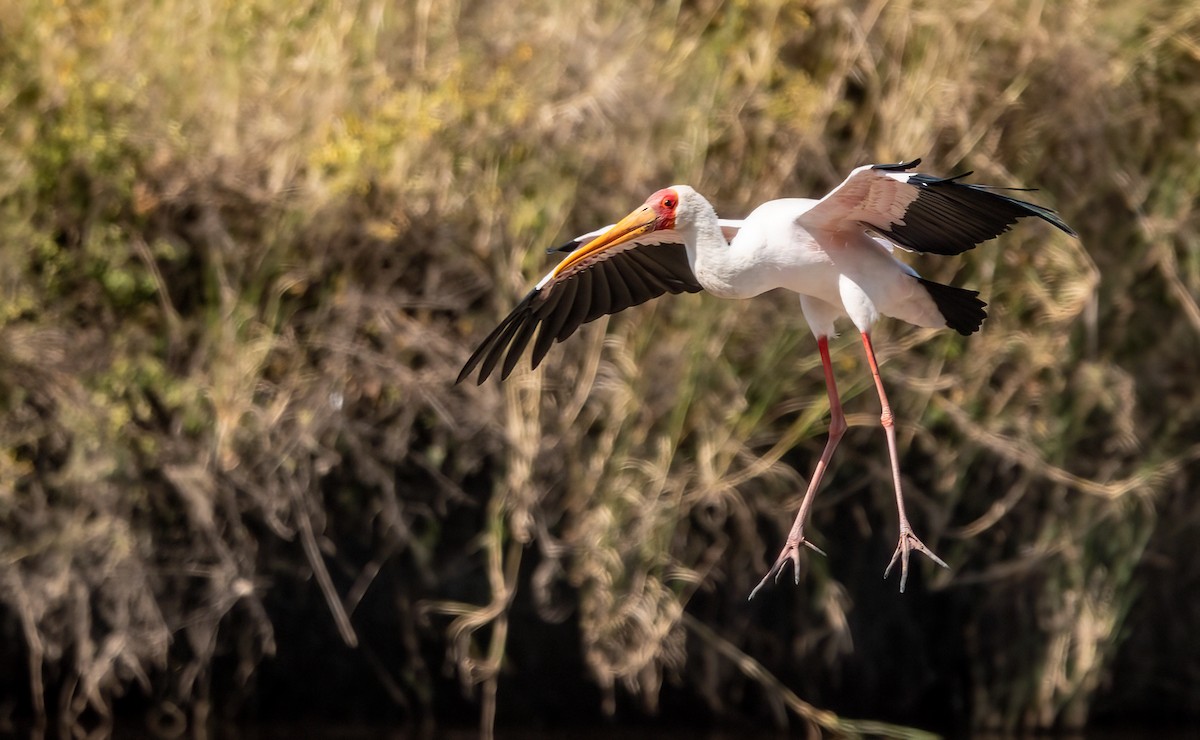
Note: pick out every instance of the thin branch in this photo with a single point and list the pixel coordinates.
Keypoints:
(822, 718)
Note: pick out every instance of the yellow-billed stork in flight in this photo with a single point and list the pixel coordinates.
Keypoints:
(836, 253)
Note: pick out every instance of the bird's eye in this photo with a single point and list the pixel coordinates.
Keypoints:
(668, 202)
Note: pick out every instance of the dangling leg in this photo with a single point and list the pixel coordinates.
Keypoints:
(908, 540)
(837, 427)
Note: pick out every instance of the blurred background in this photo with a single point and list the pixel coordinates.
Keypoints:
(245, 248)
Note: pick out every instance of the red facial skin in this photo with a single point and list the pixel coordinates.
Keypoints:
(664, 203)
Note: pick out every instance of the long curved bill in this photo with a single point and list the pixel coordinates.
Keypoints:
(641, 221)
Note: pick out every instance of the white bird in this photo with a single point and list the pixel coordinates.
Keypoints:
(836, 253)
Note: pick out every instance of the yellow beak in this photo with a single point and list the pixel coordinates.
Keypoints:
(631, 227)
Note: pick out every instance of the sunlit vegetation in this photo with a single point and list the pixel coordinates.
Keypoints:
(246, 246)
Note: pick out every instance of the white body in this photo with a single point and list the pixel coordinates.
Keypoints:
(836, 273)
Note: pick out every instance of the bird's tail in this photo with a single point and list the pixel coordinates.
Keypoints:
(961, 308)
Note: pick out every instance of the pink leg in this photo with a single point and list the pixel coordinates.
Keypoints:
(908, 540)
(837, 427)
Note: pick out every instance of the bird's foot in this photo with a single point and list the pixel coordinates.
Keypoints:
(789, 554)
(908, 542)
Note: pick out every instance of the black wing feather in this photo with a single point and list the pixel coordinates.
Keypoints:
(548, 334)
(898, 167)
(578, 310)
(570, 246)
(638, 291)
(949, 217)
(492, 346)
(646, 264)
(648, 271)
(601, 292)
(670, 268)
(519, 341)
(559, 308)
(621, 298)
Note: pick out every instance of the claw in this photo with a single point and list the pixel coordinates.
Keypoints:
(908, 541)
(789, 554)
(814, 548)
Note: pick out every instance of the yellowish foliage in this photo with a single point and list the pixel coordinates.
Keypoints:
(245, 247)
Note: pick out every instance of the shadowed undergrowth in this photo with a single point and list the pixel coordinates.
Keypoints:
(247, 247)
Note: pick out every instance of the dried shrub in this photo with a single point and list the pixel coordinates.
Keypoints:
(245, 250)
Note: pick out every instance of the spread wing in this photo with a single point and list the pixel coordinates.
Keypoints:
(604, 282)
(922, 213)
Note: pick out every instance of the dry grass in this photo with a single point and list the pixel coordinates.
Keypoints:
(245, 248)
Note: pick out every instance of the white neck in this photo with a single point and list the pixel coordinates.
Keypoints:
(710, 256)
